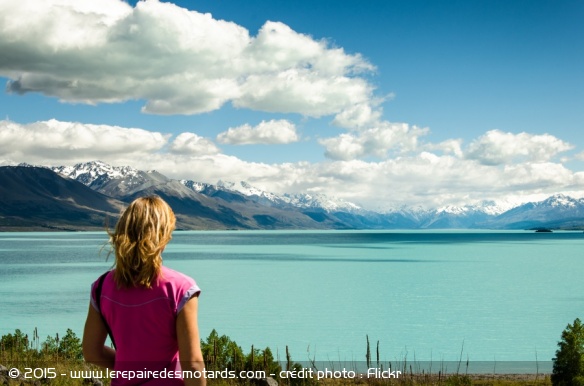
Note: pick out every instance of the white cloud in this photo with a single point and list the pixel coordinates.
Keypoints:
(449, 146)
(69, 141)
(417, 177)
(207, 168)
(497, 147)
(344, 147)
(537, 176)
(178, 61)
(62, 25)
(358, 116)
(267, 132)
(377, 141)
(302, 91)
(192, 144)
(277, 47)
(426, 179)
(432, 181)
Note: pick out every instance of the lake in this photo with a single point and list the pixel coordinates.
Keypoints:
(423, 295)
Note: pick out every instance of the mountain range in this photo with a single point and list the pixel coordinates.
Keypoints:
(91, 194)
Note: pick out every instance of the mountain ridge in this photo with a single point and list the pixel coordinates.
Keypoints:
(239, 205)
(34, 198)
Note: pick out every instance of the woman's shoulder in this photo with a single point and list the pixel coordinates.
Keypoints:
(183, 287)
(105, 278)
(171, 276)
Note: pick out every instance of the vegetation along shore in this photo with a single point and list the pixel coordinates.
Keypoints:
(59, 361)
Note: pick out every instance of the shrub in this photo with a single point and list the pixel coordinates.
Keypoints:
(16, 343)
(220, 352)
(568, 367)
(70, 346)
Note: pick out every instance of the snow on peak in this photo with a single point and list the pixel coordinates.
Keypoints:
(451, 209)
(560, 200)
(489, 207)
(318, 200)
(247, 189)
(196, 186)
(88, 172)
(303, 200)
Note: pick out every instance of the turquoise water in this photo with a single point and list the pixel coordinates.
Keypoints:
(503, 296)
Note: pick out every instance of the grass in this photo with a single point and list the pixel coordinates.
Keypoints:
(62, 355)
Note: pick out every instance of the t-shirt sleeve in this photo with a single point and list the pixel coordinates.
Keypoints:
(190, 289)
(92, 296)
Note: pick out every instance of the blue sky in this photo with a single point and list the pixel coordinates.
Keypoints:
(383, 103)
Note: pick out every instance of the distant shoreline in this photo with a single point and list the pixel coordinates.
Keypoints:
(55, 228)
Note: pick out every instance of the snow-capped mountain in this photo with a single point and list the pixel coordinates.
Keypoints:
(195, 186)
(242, 206)
(115, 181)
(119, 181)
(487, 207)
(322, 201)
(557, 210)
(89, 172)
(561, 201)
(301, 200)
(467, 216)
(36, 198)
(255, 194)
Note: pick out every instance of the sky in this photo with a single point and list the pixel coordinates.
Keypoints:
(383, 103)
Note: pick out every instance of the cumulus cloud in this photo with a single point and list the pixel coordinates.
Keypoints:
(267, 132)
(191, 143)
(377, 141)
(497, 147)
(204, 168)
(358, 116)
(537, 176)
(56, 140)
(450, 146)
(418, 176)
(425, 179)
(278, 47)
(178, 61)
(302, 91)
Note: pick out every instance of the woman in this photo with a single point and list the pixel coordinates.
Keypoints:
(150, 310)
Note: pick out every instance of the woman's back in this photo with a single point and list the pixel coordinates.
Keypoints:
(151, 310)
(143, 320)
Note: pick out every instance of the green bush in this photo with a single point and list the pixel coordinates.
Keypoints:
(19, 347)
(70, 347)
(220, 352)
(569, 361)
(16, 343)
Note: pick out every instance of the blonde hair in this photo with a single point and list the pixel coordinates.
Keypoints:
(141, 235)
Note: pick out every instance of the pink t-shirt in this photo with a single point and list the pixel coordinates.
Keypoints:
(143, 323)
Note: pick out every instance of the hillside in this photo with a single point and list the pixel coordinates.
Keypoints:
(39, 199)
(83, 196)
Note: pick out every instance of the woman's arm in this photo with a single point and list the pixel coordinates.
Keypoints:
(94, 335)
(189, 342)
